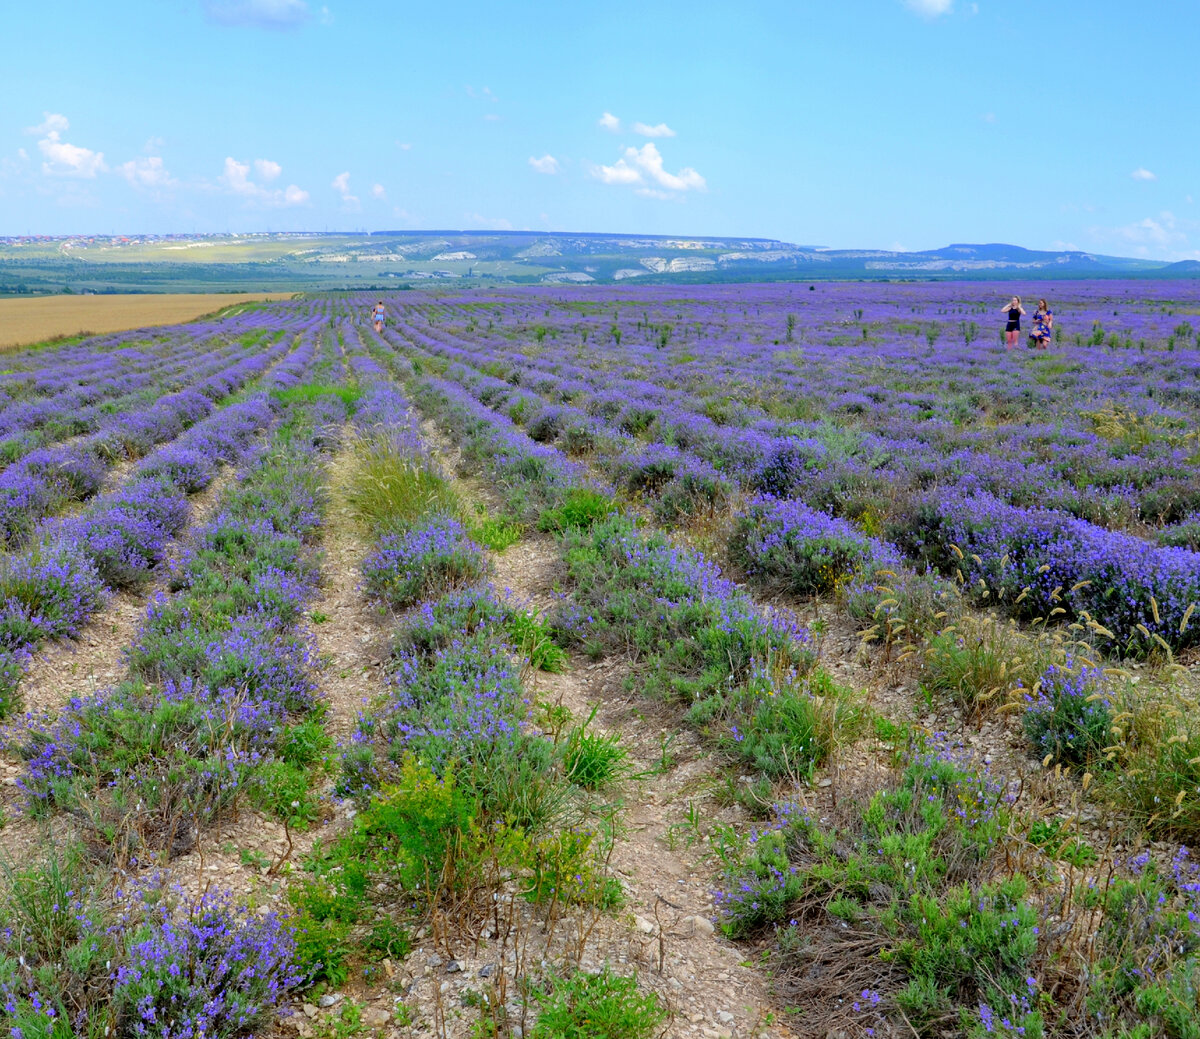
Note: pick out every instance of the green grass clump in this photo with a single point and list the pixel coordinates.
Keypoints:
(596, 1006)
(309, 392)
(389, 488)
(592, 760)
(1156, 773)
(498, 533)
(976, 664)
(781, 723)
(580, 509)
(534, 639)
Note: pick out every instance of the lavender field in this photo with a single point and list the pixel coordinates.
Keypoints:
(741, 660)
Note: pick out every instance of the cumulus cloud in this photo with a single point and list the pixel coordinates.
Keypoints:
(546, 164)
(1160, 231)
(378, 191)
(236, 180)
(257, 14)
(659, 130)
(1141, 173)
(52, 123)
(610, 122)
(1162, 237)
(266, 169)
(644, 167)
(619, 173)
(930, 8)
(148, 173)
(341, 184)
(61, 159)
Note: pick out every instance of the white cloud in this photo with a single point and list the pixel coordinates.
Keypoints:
(378, 191)
(659, 130)
(146, 173)
(152, 145)
(52, 123)
(266, 169)
(619, 173)
(930, 8)
(644, 167)
(1141, 173)
(1151, 231)
(546, 164)
(341, 184)
(404, 146)
(257, 14)
(24, 156)
(610, 122)
(60, 158)
(69, 160)
(1162, 237)
(236, 180)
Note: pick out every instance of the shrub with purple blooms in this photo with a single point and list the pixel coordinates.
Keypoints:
(1069, 712)
(806, 552)
(77, 958)
(211, 968)
(422, 562)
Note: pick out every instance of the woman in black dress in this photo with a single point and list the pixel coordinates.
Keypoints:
(1012, 330)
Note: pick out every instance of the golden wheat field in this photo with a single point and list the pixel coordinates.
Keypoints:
(24, 321)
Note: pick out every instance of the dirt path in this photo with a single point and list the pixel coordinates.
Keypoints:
(661, 856)
(351, 641)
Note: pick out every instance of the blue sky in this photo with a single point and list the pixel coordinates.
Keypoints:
(860, 123)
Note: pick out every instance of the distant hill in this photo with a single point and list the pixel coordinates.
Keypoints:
(1182, 269)
(308, 261)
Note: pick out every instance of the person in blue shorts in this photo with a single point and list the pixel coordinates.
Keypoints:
(377, 315)
(1043, 325)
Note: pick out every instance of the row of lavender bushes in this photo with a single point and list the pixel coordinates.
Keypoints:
(1138, 595)
(219, 704)
(460, 795)
(51, 589)
(786, 879)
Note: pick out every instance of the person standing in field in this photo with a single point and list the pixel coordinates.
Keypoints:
(1013, 329)
(1043, 325)
(377, 315)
